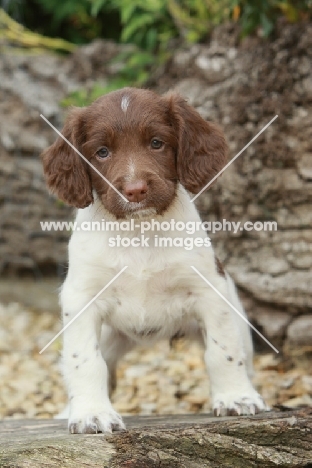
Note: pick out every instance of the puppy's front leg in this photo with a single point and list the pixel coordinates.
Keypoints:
(85, 372)
(231, 390)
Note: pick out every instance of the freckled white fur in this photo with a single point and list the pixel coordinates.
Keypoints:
(125, 101)
(158, 291)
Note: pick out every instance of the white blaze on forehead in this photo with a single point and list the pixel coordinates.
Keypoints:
(125, 100)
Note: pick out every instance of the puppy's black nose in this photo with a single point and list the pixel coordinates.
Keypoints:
(136, 191)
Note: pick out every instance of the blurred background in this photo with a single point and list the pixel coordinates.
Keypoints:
(239, 63)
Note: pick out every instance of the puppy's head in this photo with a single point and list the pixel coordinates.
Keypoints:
(142, 144)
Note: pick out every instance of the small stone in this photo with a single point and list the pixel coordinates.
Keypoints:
(148, 408)
(273, 322)
(300, 330)
(287, 383)
(127, 407)
(196, 400)
(137, 371)
(186, 386)
(305, 166)
(304, 400)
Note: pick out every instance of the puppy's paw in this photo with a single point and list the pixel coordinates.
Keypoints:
(232, 404)
(92, 422)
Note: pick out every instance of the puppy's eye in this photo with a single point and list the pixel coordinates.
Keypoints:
(156, 144)
(103, 153)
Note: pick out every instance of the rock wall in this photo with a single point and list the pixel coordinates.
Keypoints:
(240, 84)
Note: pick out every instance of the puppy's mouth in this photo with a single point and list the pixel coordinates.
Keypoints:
(139, 210)
(136, 206)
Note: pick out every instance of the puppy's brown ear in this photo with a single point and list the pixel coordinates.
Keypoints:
(202, 149)
(66, 173)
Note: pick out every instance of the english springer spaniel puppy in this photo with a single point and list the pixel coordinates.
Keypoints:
(155, 151)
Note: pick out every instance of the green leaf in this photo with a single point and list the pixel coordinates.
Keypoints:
(136, 25)
(266, 24)
(96, 6)
(140, 59)
(151, 39)
(127, 12)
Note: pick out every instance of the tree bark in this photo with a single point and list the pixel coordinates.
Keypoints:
(277, 439)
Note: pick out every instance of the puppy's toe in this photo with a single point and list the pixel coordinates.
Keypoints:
(93, 423)
(236, 405)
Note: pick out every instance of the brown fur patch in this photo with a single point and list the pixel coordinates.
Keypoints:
(219, 266)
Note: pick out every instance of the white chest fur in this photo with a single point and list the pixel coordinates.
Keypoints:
(156, 295)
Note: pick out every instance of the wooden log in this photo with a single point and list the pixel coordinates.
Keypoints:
(277, 439)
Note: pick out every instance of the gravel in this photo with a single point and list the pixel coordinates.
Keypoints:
(159, 380)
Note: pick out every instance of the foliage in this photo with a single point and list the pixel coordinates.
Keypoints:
(14, 34)
(195, 18)
(150, 24)
(154, 26)
(73, 19)
(70, 19)
(259, 13)
(253, 14)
